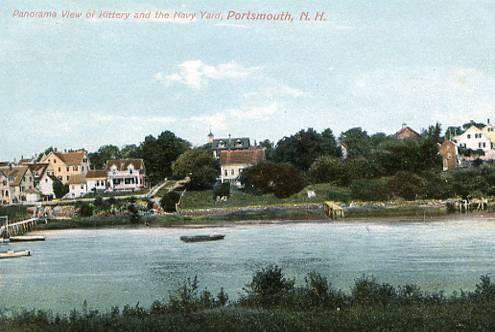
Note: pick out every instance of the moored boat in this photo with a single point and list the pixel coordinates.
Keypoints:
(26, 238)
(201, 238)
(14, 254)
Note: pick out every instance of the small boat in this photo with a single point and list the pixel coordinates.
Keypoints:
(26, 238)
(14, 254)
(201, 238)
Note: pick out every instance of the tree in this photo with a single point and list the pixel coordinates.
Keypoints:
(169, 201)
(85, 210)
(406, 185)
(106, 152)
(302, 148)
(356, 141)
(130, 151)
(159, 154)
(199, 165)
(328, 169)
(280, 179)
(59, 189)
(269, 148)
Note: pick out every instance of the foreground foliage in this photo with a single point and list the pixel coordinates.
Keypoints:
(273, 302)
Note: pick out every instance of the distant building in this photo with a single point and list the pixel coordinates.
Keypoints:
(473, 138)
(67, 164)
(450, 156)
(4, 189)
(125, 174)
(45, 186)
(97, 181)
(77, 186)
(407, 132)
(217, 145)
(21, 182)
(233, 162)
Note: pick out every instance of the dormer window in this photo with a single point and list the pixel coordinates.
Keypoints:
(221, 144)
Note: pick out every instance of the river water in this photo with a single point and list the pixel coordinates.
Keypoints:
(117, 266)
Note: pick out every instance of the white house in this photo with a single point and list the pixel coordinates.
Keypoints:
(45, 185)
(77, 186)
(233, 162)
(474, 138)
(125, 174)
(97, 181)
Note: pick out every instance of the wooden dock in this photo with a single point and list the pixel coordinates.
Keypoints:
(19, 227)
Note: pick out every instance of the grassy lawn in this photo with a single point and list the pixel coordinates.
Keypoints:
(204, 199)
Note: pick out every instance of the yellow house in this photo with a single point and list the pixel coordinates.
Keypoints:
(489, 131)
(67, 164)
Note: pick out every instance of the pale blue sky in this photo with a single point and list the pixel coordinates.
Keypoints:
(374, 64)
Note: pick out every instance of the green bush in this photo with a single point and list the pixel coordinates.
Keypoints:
(282, 180)
(221, 189)
(268, 287)
(370, 190)
(85, 210)
(328, 169)
(169, 201)
(406, 185)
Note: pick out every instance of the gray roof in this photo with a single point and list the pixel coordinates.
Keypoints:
(234, 143)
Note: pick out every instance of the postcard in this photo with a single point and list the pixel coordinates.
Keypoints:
(247, 165)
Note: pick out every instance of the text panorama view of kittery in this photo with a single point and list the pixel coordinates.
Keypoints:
(247, 165)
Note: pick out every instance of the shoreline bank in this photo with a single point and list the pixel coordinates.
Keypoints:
(266, 216)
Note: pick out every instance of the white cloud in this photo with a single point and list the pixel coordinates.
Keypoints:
(196, 73)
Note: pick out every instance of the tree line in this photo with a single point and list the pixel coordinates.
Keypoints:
(367, 163)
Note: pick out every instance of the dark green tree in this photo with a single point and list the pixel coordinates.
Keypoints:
(130, 151)
(159, 154)
(199, 165)
(356, 141)
(269, 148)
(59, 189)
(328, 169)
(282, 180)
(99, 158)
(302, 148)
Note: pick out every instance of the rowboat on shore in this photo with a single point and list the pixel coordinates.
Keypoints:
(26, 238)
(201, 238)
(14, 254)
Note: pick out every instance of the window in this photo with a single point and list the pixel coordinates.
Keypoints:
(484, 145)
(75, 168)
(82, 187)
(59, 169)
(226, 172)
(469, 136)
(68, 178)
(54, 161)
(46, 180)
(82, 168)
(232, 172)
(73, 187)
(67, 168)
